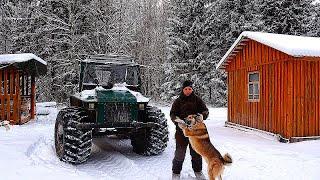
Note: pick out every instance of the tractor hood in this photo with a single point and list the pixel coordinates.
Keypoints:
(119, 93)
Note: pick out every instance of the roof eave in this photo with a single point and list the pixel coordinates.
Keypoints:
(230, 51)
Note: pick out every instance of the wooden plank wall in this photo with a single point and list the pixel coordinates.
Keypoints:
(9, 95)
(274, 111)
(27, 98)
(306, 93)
(33, 98)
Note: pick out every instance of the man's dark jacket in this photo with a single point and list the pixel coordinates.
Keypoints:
(187, 105)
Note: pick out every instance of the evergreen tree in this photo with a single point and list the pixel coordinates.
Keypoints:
(225, 20)
(184, 45)
(285, 17)
(5, 27)
(313, 21)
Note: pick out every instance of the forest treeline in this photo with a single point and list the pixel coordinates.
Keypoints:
(174, 40)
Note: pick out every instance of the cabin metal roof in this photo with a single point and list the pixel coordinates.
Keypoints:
(297, 46)
(27, 62)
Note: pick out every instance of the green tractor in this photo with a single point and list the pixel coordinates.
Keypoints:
(109, 103)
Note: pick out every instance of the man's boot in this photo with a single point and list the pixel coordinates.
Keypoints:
(175, 176)
(200, 175)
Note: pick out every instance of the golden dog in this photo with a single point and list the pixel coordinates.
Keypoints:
(194, 128)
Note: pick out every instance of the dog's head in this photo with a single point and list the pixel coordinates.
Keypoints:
(191, 121)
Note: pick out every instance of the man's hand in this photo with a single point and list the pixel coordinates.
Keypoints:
(181, 123)
(199, 117)
(182, 126)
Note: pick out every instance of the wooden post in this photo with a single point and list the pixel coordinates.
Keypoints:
(22, 84)
(18, 96)
(11, 97)
(1, 96)
(32, 97)
(6, 95)
(27, 84)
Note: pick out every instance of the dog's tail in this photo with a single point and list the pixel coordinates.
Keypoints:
(227, 159)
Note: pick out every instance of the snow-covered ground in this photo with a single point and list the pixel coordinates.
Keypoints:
(27, 152)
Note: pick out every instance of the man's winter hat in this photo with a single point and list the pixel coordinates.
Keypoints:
(187, 83)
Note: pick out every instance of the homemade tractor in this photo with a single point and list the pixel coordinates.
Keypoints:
(109, 103)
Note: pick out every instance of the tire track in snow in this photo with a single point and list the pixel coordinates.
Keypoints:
(42, 152)
(105, 161)
(151, 164)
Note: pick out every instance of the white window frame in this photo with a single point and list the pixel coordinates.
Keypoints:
(255, 97)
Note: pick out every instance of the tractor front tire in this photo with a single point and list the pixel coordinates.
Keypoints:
(152, 141)
(72, 145)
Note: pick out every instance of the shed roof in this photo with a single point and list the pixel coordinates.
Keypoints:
(297, 46)
(24, 61)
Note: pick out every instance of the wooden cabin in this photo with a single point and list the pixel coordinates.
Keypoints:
(274, 84)
(18, 88)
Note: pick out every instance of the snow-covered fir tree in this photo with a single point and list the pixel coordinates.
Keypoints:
(285, 17)
(184, 45)
(313, 21)
(224, 22)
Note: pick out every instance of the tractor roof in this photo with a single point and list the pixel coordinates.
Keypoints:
(110, 59)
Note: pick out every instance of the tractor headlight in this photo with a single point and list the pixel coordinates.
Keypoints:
(141, 106)
(91, 105)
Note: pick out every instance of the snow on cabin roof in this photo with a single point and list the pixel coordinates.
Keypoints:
(296, 46)
(16, 58)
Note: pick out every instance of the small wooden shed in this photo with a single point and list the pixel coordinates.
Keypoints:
(17, 88)
(274, 84)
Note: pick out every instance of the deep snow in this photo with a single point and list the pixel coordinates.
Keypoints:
(27, 152)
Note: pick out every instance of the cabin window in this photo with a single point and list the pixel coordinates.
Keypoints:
(253, 86)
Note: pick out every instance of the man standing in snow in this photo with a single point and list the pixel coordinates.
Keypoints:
(186, 104)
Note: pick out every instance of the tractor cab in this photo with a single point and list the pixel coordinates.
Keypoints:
(105, 71)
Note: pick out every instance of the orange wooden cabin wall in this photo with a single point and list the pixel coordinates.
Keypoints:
(289, 91)
(11, 82)
(306, 97)
(9, 95)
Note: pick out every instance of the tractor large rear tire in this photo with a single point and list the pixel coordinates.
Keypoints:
(152, 141)
(72, 145)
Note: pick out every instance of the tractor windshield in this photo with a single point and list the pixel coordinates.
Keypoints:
(109, 74)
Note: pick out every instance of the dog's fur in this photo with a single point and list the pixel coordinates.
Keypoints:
(198, 135)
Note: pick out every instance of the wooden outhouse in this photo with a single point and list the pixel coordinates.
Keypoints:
(17, 88)
(274, 84)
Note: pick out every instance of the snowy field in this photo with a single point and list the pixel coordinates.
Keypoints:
(27, 152)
